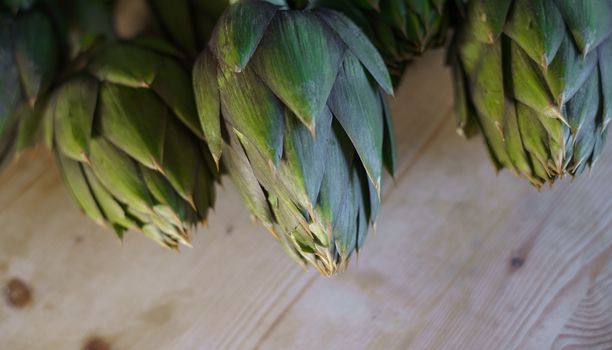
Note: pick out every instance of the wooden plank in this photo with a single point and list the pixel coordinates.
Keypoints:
(227, 292)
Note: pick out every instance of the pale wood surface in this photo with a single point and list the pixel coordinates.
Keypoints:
(436, 275)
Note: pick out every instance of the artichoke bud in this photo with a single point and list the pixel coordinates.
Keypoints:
(292, 102)
(129, 144)
(535, 77)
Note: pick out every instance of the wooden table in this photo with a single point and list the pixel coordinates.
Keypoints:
(462, 259)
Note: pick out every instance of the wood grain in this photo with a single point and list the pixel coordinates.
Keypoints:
(590, 326)
(462, 259)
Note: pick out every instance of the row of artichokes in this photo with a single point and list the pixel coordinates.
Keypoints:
(289, 99)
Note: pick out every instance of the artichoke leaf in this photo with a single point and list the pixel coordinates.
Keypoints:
(537, 27)
(135, 121)
(590, 22)
(119, 175)
(208, 102)
(304, 159)
(181, 160)
(239, 168)
(77, 185)
(239, 32)
(568, 71)
(75, 105)
(486, 19)
(113, 211)
(360, 46)
(304, 87)
(127, 65)
(334, 187)
(173, 85)
(263, 122)
(357, 106)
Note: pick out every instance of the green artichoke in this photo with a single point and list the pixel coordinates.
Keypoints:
(129, 143)
(293, 103)
(400, 29)
(535, 77)
(29, 60)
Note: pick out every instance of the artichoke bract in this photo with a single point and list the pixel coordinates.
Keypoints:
(535, 77)
(129, 143)
(29, 60)
(293, 105)
(401, 29)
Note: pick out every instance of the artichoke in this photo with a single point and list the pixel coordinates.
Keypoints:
(293, 104)
(129, 143)
(400, 29)
(535, 77)
(29, 60)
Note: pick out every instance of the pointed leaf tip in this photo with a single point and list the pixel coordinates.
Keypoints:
(357, 106)
(299, 59)
(360, 46)
(75, 105)
(253, 111)
(239, 31)
(206, 90)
